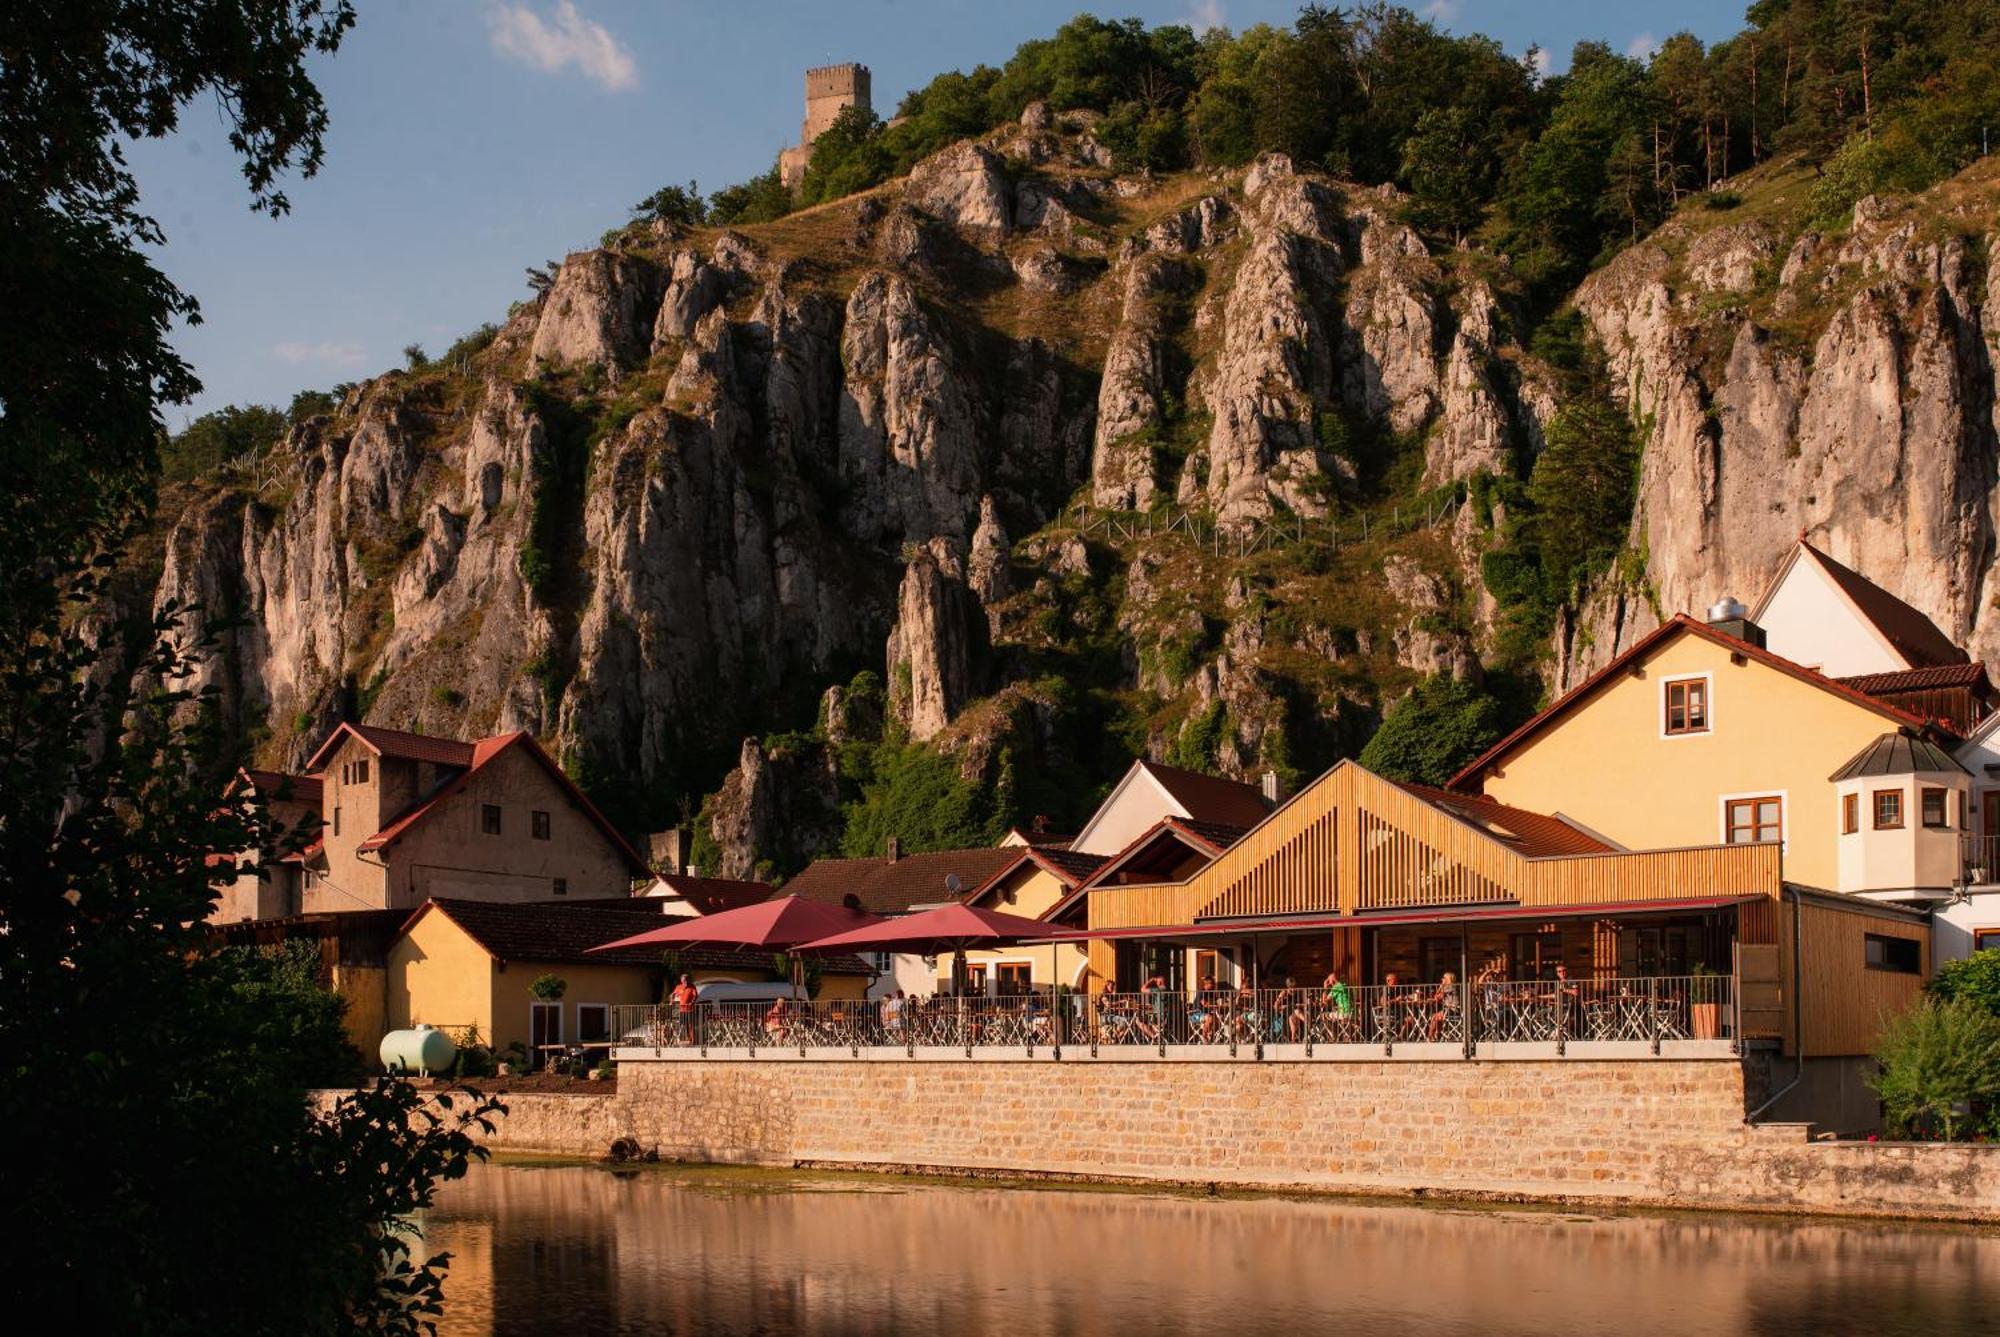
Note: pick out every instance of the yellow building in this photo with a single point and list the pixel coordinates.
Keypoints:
(458, 964)
(1032, 886)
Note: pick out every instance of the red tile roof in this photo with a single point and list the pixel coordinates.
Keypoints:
(395, 743)
(1679, 624)
(294, 788)
(710, 895)
(882, 887)
(1210, 798)
(1218, 835)
(1532, 833)
(482, 754)
(1929, 678)
(1915, 636)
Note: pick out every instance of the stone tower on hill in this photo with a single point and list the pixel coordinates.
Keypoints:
(829, 89)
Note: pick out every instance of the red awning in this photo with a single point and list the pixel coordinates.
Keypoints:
(1224, 928)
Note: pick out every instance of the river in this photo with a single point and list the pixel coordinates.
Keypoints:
(695, 1252)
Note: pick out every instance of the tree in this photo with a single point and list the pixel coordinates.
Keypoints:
(1939, 1068)
(848, 156)
(680, 205)
(1975, 979)
(415, 358)
(147, 1109)
(222, 435)
(761, 199)
(1446, 167)
(1582, 489)
(1429, 735)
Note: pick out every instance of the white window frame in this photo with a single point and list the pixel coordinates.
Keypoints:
(1707, 680)
(1722, 802)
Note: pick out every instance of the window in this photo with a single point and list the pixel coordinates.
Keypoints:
(562, 886)
(1986, 940)
(336, 821)
(1687, 706)
(489, 818)
(1936, 807)
(1753, 821)
(1888, 809)
(1964, 814)
(593, 1022)
(1015, 977)
(1850, 814)
(1905, 956)
(538, 825)
(881, 962)
(361, 772)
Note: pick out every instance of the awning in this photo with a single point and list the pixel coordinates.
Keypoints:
(1227, 928)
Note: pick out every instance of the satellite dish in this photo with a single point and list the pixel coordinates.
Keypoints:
(952, 883)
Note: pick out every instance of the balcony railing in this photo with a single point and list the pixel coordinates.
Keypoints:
(1979, 859)
(1650, 1010)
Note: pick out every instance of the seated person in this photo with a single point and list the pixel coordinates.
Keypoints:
(776, 1018)
(1444, 1005)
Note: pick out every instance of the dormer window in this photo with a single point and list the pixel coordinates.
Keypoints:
(1686, 706)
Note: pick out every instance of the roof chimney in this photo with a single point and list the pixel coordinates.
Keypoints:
(1731, 618)
(1275, 789)
(895, 849)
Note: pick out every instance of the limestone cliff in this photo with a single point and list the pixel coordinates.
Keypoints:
(1074, 461)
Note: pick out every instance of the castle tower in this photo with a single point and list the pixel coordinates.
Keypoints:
(829, 89)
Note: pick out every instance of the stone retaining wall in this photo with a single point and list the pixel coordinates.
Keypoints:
(1662, 1132)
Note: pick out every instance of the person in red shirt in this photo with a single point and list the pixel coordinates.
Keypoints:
(684, 997)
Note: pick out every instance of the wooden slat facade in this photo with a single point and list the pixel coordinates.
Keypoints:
(1352, 841)
(1844, 1001)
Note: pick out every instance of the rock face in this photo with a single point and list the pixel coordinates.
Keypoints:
(710, 474)
(1874, 436)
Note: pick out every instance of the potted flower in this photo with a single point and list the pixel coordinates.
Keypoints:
(1704, 1003)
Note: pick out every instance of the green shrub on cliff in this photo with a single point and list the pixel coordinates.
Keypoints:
(1432, 732)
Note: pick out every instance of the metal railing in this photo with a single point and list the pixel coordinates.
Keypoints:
(1650, 1009)
(1979, 859)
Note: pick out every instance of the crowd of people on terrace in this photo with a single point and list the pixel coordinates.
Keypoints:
(1329, 1012)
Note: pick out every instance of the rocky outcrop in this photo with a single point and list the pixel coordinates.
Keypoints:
(1874, 437)
(965, 185)
(937, 643)
(600, 311)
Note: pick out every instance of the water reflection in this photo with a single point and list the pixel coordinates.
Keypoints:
(699, 1252)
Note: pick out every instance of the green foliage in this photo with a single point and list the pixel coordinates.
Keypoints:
(548, 988)
(914, 794)
(470, 346)
(1975, 979)
(1195, 746)
(415, 358)
(1866, 166)
(812, 971)
(1448, 162)
(848, 156)
(1940, 1069)
(447, 696)
(310, 404)
(295, 1031)
(680, 205)
(1582, 489)
(562, 462)
(1431, 733)
(221, 436)
(761, 199)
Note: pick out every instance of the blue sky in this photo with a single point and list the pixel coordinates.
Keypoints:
(473, 138)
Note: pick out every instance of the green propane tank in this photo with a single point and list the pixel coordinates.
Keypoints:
(421, 1049)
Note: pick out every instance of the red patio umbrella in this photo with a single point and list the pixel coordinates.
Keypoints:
(779, 924)
(947, 929)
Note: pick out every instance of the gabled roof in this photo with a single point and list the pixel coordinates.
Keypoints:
(1908, 632)
(1204, 838)
(884, 886)
(1898, 753)
(482, 754)
(1534, 834)
(710, 895)
(563, 932)
(274, 784)
(394, 743)
(1072, 870)
(1210, 798)
(1679, 625)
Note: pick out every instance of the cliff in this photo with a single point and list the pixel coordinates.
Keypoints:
(1030, 466)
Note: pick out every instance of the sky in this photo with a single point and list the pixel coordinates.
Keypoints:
(471, 139)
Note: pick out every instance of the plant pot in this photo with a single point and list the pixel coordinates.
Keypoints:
(505, 1070)
(1707, 1020)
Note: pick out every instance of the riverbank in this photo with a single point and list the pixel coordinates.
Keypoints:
(1656, 1133)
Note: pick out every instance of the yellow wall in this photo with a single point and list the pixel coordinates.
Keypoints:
(439, 975)
(1030, 891)
(366, 990)
(1606, 765)
(613, 985)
